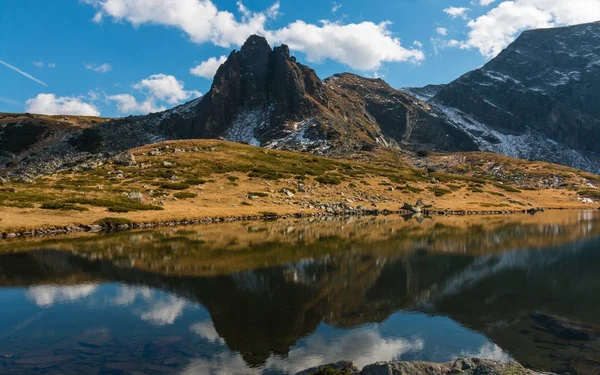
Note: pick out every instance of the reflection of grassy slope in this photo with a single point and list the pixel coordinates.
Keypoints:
(264, 296)
(227, 248)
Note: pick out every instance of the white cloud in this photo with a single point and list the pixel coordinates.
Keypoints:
(484, 3)
(156, 88)
(165, 88)
(455, 12)
(363, 347)
(50, 104)
(128, 104)
(46, 296)
(442, 31)
(51, 65)
(102, 68)
(207, 331)
(208, 68)
(363, 46)
(494, 30)
(417, 44)
(335, 7)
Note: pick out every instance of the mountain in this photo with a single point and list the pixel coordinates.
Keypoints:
(538, 99)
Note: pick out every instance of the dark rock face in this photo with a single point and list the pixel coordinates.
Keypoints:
(538, 99)
(253, 94)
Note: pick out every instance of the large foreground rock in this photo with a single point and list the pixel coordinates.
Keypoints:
(461, 366)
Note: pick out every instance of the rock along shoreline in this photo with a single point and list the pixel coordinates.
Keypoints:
(461, 366)
(130, 225)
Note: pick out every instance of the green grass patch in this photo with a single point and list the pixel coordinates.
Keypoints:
(329, 179)
(175, 186)
(507, 188)
(411, 189)
(233, 178)
(117, 204)
(62, 206)
(185, 195)
(439, 192)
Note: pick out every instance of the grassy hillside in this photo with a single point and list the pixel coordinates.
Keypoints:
(199, 178)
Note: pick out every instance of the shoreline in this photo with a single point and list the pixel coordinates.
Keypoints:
(123, 224)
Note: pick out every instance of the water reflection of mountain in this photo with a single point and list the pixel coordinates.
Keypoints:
(347, 282)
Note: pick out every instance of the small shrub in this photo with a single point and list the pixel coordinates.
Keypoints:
(439, 192)
(329, 180)
(185, 195)
(63, 206)
(412, 189)
(195, 181)
(175, 186)
(244, 203)
(269, 214)
(422, 153)
(508, 188)
(496, 194)
(453, 187)
(257, 194)
(233, 178)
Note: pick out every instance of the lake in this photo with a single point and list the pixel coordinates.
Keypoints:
(279, 297)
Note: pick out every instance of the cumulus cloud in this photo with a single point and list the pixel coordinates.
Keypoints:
(102, 68)
(455, 12)
(156, 88)
(418, 44)
(46, 296)
(165, 88)
(128, 104)
(208, 68)
(50, 104)
(493, 31)
(442, 31)
(363, 46)
(485, 2)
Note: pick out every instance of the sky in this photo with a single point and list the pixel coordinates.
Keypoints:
(125, 57)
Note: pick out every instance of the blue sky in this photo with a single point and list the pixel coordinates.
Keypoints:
(121, 57)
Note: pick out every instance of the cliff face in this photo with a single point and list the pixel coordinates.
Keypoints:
(538, 99)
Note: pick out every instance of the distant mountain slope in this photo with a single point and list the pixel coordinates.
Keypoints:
(538, 99)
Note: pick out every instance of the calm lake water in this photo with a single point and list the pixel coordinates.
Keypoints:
(280, 297)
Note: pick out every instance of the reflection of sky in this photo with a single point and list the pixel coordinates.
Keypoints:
(148, 313)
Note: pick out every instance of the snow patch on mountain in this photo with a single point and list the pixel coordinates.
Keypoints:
(531, 145)
(244, 127)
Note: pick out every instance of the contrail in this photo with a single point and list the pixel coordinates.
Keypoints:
(22, 72)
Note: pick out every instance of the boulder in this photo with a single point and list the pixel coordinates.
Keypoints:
(126, 159)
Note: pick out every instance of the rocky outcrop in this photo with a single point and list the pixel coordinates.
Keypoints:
(461, 366)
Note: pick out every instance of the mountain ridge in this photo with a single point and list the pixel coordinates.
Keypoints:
(534, 101)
